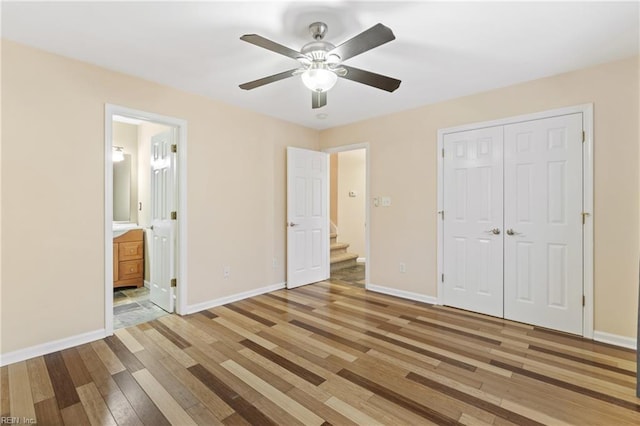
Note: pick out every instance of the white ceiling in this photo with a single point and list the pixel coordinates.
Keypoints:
(442, 50)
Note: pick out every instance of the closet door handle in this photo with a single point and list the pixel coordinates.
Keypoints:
(512, 232)
(494, 231)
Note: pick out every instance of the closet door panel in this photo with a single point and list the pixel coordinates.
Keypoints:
(543, 223)
(473, 239)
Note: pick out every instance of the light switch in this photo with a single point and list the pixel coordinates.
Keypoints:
(386, 201)
(353, 194)
(376, 201)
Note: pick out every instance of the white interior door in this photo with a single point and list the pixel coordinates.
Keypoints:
(473, 237)
(163, 229)
(543, 222)
(307, 217)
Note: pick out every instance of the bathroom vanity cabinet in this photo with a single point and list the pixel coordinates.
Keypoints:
(128, 259)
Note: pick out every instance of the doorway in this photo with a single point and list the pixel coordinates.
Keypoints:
(349, 213)
(514, 237)
(145, 240)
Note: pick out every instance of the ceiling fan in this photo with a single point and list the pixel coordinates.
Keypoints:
(321, 63)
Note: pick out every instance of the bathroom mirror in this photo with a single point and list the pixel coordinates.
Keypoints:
(122, 190)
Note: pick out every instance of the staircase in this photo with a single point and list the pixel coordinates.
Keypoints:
(340, 258)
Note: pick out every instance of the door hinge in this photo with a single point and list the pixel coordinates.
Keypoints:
(584, 136)
(441, 213)
(442, 152)
(583, 300)
(174, 215)
(174, 282)
(174, 148)
(442, 278)
(584, 217)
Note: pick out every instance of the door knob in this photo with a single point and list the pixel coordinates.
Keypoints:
(511, 232)
(292, 224)
(494, 231)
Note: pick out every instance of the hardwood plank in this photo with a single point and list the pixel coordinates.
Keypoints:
(97, 370)
(202, 416)
(121, 409)
(398, 399)
(47, 412)
(569, 386)
(355, 415)
(20, 398)
(94, 406)
(251, 315)
(181, 356)
(74, 415)
(243, 408)
(148, 413)
(108, 358)
(128, 340)
(77, 370)
(284, 363)
(173, 337)
(474, 401)
(5, 403)
(163, 400)
(123, 353)
(296, 409)
(168, 381)
(41, 388)
(61, 381)
(208, 314)
(209, 399)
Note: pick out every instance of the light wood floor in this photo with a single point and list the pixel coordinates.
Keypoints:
(327, 354)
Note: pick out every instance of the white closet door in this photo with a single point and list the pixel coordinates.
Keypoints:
(543, 222)
(473, 237)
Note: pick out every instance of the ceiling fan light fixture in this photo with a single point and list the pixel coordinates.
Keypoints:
(319, 78)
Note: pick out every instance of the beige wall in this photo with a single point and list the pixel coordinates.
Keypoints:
(53, 208)
(333, 188)
(404, 167)
(352, 176)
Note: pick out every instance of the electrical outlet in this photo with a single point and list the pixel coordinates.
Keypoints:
(403, 267)
(226, 271)
(386, 201)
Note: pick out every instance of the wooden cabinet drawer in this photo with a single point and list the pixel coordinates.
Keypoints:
(130, 250)
(130, 269)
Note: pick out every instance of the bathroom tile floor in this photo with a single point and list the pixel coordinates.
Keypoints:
(354, 275)
(131, 306)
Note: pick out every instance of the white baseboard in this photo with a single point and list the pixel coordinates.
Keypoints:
(402, 294)
(49, 347)
(192, 309)
(147, 284)
(361, 260)
(614, 339)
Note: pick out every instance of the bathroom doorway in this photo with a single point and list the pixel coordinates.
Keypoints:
(144, 201)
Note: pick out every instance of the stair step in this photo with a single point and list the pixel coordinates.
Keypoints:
(342, 261)
(341, 257)
(332, 237)
(339, 246)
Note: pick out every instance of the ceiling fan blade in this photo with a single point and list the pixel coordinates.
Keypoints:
(366, 40)
(271, 45)
(371, 79)
(266, 80)
(318, 99)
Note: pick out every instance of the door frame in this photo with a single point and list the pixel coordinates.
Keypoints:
(587, 198)
(367, 213)
(181, 240)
